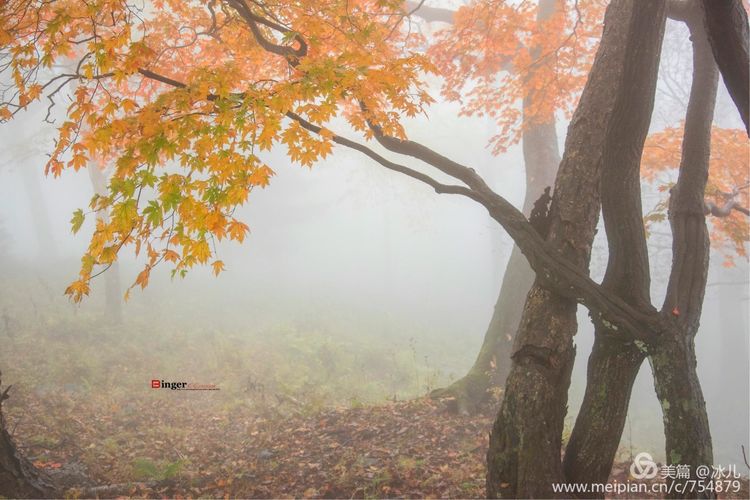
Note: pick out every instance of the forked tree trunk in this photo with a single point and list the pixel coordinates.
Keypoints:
(541, 159)
(524, 453)
(614, 364)
(18, 477)
(614, 360)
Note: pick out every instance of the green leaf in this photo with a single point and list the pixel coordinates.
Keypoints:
(77, 220)
(153, 213)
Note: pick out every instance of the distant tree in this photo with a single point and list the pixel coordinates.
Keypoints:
(112, 288)
(38, 207)
(4, 242)
(493, 56)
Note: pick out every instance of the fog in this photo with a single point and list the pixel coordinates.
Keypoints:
(358, 256)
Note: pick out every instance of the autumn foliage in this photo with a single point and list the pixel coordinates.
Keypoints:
(728, 183)
(497, 53)
(182, 99)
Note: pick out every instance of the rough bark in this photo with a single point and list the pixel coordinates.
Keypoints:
(727, 28)
(112, 288)
(491, 368)
(688, 437)
(18, 477)
(613, 363)
(524, 453)
(612, 368)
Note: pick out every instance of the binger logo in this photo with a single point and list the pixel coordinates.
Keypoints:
(643, 466)
(182, 386)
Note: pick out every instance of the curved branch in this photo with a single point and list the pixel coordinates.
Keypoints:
(291, 54)
(437, 186)
(552, 268)
(416, 150)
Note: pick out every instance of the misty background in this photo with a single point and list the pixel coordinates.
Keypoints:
(356, 259)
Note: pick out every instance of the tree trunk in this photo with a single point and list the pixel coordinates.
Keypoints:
(541, 159)
(39, 213)
(112, 289)
(726, 24)
(614, 365)
(18, 477)
(492, 365)
(688, 437)
(524, 453)
(612, 368)
(614, 361)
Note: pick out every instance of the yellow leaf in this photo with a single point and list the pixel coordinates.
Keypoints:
(77, 290)
(142, 278)
(238, 230)
(201, 251)
(218, 267)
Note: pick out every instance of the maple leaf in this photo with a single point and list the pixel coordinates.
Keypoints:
(238, 230)
(77, 220)
(77, 290)
(142, 278)
(218, 267)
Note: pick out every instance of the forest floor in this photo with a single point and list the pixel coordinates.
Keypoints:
(147, 448)
(305, 409)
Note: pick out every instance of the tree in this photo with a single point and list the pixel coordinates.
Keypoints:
(604, 139)
(112, 289)
(613, 364)
(168, 119)
(184, 98)
(38, 207)
(492, 56)
(541, 158)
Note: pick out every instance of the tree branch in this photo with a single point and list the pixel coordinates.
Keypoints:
(291, 54)
(690, 241)
(429, 14)
(711, 208)
(437, 186)
(727, 28)
(628, 274)
(553, 270)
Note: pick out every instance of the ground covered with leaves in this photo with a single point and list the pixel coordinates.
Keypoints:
(412, 449)
(304, 410)
(173, 445)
